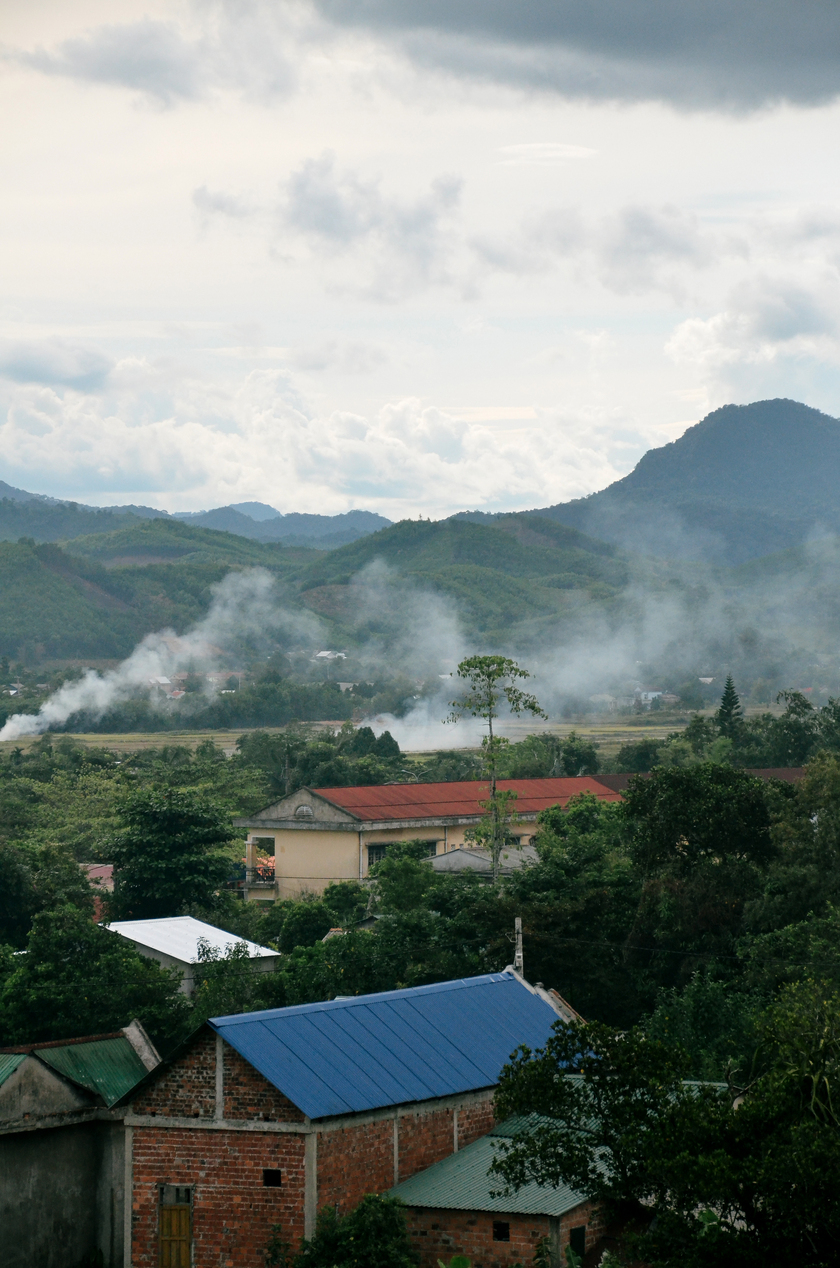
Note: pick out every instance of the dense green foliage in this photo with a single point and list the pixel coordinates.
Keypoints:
(739, 1175)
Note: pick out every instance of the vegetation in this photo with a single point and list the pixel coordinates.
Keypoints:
(740, 1173)
(490, 682)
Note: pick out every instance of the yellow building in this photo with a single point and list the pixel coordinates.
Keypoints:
(320, 835)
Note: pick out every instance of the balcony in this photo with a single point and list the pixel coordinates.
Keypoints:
(258, 878)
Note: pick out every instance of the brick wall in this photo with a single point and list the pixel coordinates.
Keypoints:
(233, 1212)
(440, 1234)
(186, 1089)
(249, 1095)
(424, 1139)
(475, 1120)
(353, 1161)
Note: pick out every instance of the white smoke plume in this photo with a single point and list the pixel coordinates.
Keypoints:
(243, 603)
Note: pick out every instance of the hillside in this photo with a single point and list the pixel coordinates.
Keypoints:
(746, 481)
(99, 600)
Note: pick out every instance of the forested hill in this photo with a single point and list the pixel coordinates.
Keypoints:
(746, 481)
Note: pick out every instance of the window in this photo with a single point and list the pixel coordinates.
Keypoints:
(272, 1177)
(175, 1226)
(577, 1239)
(501, 1231)
(376, 853)
(304, 812)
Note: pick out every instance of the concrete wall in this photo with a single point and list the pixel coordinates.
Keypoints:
(61, 1196)
(307, 860)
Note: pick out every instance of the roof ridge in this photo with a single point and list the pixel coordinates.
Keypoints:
(348, 1001)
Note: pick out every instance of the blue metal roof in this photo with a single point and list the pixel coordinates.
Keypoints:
(347, 1055)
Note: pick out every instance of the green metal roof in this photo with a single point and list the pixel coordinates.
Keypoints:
(109, 1067)
(9, 1062)
(461, 1183)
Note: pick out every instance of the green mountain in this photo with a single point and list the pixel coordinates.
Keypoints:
(746, 481)
(100, 594)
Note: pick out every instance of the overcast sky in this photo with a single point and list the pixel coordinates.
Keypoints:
(409, 255)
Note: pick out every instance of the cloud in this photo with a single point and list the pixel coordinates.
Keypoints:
(776, 336)
(178, 442)
(215, 203)
(698, 54)
(55, 362)
(150, 57)
(635, 250)
(245, 47)
(406, 243)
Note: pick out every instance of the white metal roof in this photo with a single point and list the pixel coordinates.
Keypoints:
(178, 936)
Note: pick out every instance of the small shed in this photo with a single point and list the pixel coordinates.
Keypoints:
(457, 1208)
(174, 942)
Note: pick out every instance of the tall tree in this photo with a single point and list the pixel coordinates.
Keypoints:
(730, 715)
(168, 854)
(491, 681)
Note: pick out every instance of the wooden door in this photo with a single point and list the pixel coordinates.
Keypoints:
(175, 1231)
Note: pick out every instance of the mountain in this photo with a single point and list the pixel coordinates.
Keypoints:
(744, 482)
(46, 519)
(295, 529)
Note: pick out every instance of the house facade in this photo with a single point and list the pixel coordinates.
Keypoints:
(320, 835)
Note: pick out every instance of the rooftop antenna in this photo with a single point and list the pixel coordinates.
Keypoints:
(518, 960)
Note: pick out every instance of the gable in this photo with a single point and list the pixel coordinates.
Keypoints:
(34, 1091)
(294, 808)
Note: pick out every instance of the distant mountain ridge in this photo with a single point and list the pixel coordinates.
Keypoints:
(48, 519)
(746, 481)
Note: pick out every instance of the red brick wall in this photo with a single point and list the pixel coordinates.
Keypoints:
(440, 1234)
(424, 1139)
(233, 1212)
(186, 1089)
(353, 1161)
(475, 1120)
(249, 1095)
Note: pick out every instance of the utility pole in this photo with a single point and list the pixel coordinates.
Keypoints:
(518, 959)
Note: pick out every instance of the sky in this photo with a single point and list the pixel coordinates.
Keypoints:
(414, 256)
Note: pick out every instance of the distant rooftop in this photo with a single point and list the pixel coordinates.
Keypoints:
(458, 798)
(178, 937)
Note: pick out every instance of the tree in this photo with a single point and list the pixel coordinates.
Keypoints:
(77, 978)
(730, 715)
(492, 680)
(738, 1175)
(375, 1233)
(168, 854)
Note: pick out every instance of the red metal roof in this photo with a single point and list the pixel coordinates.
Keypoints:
(458, 799)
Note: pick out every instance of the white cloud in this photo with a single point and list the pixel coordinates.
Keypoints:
(54, 361)
(404, 244)
(247, 439)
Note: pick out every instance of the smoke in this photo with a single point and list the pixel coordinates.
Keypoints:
(244, 604)
(772, 621)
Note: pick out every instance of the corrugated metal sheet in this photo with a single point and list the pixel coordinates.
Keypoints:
(178, 936)
(461, 1183)
(345, 1056)
(458, 799)
(9, 1062)
(109, 1067)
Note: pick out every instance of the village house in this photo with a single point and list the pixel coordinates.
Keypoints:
(320, 835)
(456, 1207)
(259, 1119)
(62, 1147)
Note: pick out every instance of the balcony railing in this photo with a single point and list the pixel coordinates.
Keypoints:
(259, 876)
